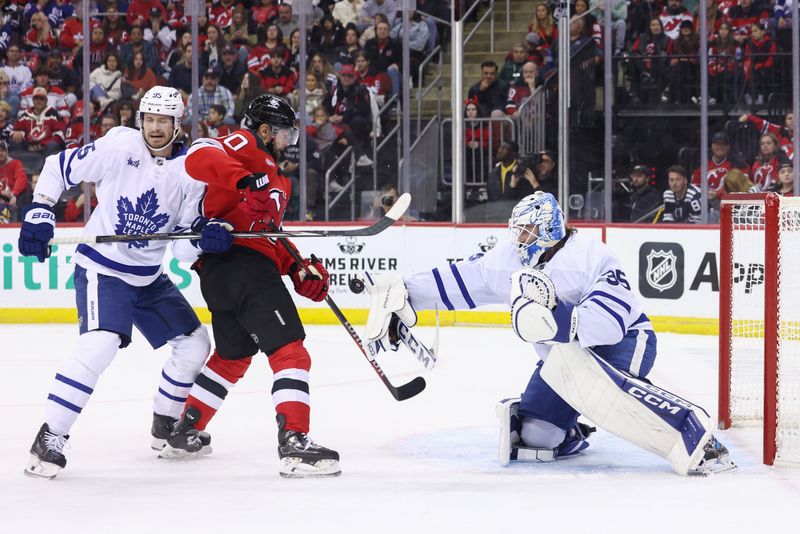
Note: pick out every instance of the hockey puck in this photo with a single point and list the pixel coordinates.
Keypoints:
(356, 285)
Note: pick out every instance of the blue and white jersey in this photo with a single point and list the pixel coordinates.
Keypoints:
(136, 194)
(586, 273)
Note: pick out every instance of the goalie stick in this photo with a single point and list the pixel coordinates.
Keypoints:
(401, 333)
(382, 224)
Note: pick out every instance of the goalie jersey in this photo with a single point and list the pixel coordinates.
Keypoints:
(136, 194)
(585, 272)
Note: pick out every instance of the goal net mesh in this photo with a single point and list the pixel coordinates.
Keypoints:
(748, 301)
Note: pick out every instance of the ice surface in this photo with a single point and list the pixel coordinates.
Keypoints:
(423, 465)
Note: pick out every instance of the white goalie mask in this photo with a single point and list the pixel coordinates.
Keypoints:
(536, 224)
(162, 100)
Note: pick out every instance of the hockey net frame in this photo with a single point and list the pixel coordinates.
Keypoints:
(760, 230)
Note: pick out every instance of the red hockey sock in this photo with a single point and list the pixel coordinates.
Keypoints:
(212, 385)
(290, 365)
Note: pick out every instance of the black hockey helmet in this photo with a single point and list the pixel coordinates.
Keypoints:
(274, 111)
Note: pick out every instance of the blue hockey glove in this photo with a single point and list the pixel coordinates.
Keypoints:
(37, 231)
(215, 235)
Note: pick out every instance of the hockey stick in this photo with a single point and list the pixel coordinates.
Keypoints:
(382, 224)
(400, 393)
(403, 334)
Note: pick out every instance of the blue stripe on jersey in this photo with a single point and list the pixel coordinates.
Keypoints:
(440, 286)
(612, 313)
(171, 397)
(73, 383)
(65, 404)
(603, 294)
(461, 286)
(138, 270)
(175, 382)
(642, 319)
(66, 172)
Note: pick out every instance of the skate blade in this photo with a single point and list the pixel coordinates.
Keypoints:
(171, 453)
(158, 444)
(296, 468)
(39, 469)
(714, 468)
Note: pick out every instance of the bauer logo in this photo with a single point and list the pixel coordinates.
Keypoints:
(661, 270)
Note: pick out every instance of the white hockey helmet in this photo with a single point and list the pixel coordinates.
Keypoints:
(536, 224)
(162, 100)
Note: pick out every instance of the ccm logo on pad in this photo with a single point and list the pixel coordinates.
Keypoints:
(653, 400)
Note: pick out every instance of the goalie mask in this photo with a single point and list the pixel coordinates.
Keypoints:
(536, 224)
(161, 100)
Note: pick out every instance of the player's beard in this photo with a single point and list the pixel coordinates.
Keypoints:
(158, 143)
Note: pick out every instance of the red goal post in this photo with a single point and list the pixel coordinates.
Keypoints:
(759, 319)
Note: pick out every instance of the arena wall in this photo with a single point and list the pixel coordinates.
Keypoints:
(673, 269)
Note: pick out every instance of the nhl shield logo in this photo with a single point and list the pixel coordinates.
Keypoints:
(351, 246)
(661, 270)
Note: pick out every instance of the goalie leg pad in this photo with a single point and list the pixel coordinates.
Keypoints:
(638, 412)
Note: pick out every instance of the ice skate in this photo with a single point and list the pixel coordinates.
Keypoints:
(575, 440)
(185, 440)
(302, 458)
(46, 456)
(163, 426)
(715, 459)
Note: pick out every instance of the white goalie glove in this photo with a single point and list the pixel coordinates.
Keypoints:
(388, 296)
(537, 316)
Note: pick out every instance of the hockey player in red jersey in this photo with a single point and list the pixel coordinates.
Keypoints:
(250, 307)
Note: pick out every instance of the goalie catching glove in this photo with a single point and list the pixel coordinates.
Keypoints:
(537, 316)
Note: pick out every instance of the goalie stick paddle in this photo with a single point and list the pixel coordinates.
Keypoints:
(382, 224)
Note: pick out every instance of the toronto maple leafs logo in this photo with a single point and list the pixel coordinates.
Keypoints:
(141, 219)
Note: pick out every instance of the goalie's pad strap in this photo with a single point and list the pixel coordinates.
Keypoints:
(638, 412)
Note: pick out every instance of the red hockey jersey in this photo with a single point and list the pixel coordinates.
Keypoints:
(221, 163)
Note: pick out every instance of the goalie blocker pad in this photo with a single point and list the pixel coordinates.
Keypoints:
(636, 411)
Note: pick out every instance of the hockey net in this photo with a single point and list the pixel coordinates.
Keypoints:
(760, 320)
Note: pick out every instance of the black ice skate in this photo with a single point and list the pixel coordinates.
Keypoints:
(163, 426)
(715, 459)
(185, 440)
(301, 457)
(46, 457)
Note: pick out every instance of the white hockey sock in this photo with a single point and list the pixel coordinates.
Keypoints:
(189, 353)
(75, 380)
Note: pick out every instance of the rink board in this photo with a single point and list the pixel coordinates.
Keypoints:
(673, 269)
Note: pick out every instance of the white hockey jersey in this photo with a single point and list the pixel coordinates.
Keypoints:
(136, 194)
(586, 273)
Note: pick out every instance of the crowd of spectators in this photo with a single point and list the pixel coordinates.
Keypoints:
(245, 48)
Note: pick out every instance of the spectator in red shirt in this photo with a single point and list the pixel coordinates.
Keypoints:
(73, 212)
(369, 77)
(759, 63)
(13, 180)
(544, 25)
(524, 87)
(265, 12)
(139, 11)
(784, 133)
(277, 79)
(39, 129)
(40, 38)
(719, 164)
(115, 26)
(765, 167)
(743, 16)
